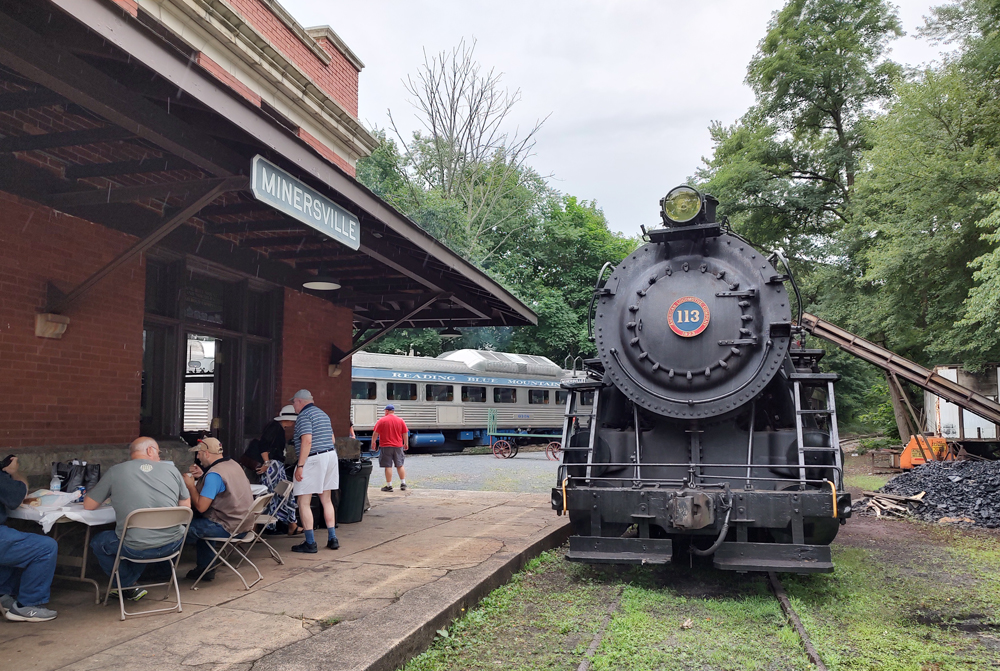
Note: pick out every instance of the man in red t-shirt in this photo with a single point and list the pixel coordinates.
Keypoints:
(391, 434)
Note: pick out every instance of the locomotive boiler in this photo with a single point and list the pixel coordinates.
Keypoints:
(713, 431)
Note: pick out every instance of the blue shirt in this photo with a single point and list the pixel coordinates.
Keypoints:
(213, 486)
(313, 421)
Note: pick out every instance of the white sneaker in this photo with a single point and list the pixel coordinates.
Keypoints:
(6, 602)
(18, 613)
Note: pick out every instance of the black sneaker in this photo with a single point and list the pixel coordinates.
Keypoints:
(402, 487)
(333, 544)
(130, 594)
(387, 488)
(196, 571)
(310, 548)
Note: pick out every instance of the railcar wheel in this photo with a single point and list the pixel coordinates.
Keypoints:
(502, 449)
(553, 451)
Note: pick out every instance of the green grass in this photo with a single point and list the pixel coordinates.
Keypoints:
(895, 606)
(744, 630)
(544, 618)
(867, 483)
(896, 609)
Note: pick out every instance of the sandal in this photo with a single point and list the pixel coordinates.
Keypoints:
(296, 531)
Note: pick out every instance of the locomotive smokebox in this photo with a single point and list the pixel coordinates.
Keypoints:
(696, 323)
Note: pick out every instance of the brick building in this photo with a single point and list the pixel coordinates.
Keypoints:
(172, 173)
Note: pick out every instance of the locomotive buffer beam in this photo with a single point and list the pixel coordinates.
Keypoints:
(781, 557)
(604, 550)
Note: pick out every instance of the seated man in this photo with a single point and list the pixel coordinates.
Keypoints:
(141, 482)
(220, 491)
(27, 561)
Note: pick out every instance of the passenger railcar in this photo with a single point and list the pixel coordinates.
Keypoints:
(445, 400)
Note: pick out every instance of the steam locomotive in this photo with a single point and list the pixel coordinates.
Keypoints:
(713, 431)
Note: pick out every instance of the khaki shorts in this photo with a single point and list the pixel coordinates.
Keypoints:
(391, 456)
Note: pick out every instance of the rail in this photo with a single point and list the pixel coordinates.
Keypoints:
(896, 365)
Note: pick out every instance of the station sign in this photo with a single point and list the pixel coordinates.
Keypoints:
(272, 185)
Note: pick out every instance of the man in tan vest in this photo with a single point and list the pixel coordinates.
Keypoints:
(220, 491)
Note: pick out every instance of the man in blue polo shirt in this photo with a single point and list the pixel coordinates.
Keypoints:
(317, 470)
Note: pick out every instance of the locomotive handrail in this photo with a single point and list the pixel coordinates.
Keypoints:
(564, 476)
(593, 299)
(791, 278)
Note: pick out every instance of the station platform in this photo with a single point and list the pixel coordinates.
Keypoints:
(408, 569)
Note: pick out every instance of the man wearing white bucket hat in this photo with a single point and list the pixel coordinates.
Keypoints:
(317, 470)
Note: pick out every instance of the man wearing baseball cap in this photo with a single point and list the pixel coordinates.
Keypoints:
(317, 470)
(392, 436)
(220, 491)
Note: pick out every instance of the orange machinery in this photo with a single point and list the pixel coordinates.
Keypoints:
(922, 449)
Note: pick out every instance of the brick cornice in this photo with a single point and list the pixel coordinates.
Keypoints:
(256, 52)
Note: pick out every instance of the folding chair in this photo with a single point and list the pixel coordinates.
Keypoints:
(151, 518)
(224, 547)
(282, 492)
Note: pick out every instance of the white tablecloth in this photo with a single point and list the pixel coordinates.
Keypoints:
(73, 512)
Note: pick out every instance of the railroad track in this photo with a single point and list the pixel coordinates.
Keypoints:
(779, 593)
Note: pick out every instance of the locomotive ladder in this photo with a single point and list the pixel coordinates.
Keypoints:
(572, 413)
(810, 380)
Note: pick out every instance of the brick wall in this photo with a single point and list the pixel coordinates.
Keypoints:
(338, 79)
(84, 388)
(311, 325)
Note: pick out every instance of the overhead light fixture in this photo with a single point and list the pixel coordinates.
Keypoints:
(322, 282)
(450, 333)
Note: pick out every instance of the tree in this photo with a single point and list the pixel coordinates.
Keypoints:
(465, 154)
(785, 171)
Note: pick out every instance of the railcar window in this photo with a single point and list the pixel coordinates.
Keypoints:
(586, 398)
(504, 395)
(363, 391)
(538, 396)
(440, 392)
(561, 397)
(473, 394)
(400, 391)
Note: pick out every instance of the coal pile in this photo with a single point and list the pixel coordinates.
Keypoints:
(955, 489)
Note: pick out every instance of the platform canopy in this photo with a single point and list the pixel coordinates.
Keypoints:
(105, 116)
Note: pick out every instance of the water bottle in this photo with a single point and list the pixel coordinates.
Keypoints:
(81, 491)
(55, 483)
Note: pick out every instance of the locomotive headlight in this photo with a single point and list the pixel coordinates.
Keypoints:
(681, 204)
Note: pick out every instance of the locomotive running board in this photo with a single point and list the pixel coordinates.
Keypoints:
(601, 550)
(779, 557)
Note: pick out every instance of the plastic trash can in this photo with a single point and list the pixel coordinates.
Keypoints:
(354, 476)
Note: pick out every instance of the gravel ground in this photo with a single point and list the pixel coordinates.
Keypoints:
(527, 472)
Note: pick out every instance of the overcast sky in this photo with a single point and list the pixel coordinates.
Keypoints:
(630, 86)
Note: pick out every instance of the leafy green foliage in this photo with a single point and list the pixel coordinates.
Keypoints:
(785, 171)
(545, 247)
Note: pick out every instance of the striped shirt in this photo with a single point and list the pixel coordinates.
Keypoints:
(315, 422)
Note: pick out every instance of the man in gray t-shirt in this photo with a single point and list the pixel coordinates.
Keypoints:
(141, 482)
